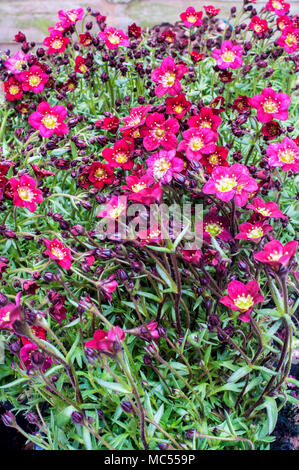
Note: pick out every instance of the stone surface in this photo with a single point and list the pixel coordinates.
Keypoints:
(35, 16)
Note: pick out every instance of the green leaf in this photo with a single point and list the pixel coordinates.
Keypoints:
(236, 376)
(116, 387)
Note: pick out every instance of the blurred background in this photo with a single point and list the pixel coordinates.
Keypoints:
(33, 17)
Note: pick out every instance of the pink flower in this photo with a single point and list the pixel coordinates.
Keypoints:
(197, 142)
(120, 155)
(56, 42)
(270, 104)
(289, 39)
(284, 155)
(136, 118)
(114, 208)
(163, 165)
(15, 63)
(242, 297)
(217, 226)
(70, 17)
(108, 286)
(49, 120)
(191, 18)
(26, 353)
(253, 232)
(206, 119)
(258, 25)
(228, 56)
(192, 256)
(143, 189)
(57, 251)
(34, 79)
(103, 341)
(265, 209)
(276, 254)
(114, 38)
(168, 77)
(9, 313)
(25, 193)
(149, 236)
(279, 7)
(229, 182)
(211, 11)
(158, 132)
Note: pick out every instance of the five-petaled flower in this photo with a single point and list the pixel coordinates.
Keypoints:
(56, 42)
(157, 131)
(265, 209)
(49, 120)
(163, 165)
(191, 18)
(57, 251)
(284, 155)
(120, 155)
(168, 77)
(25, 192)
(270, 104)
(229, 55)
(114, 38)
(104, 341)
(198, 142)
(253, 232)
(242, 297)
(34, 79)
(276, 255)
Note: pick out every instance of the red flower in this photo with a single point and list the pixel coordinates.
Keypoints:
(283, 21)
(211, 11)
(191, 18)
(34, 79)
(270, 104)
(49, 120)
(111, 124)
(3, 268)
(119, 156)
(276, 255)
(197, 142)
(177, 105)
(80, 65)
(206, 119)
(13, 89)
(143, 190)
(108, 286)
(284, 155)
(216, 226)
(271, 130)
(168, 36)
(242, 297)
(241, 104)
(85, 39)
(9, 313)
(134, 31)
(26, 353)
(56, 42)
(258, 25)
(99, 175)
(116, 207)
(57, 251)
(214, 159)
(114, 38)
(103, 341)
(196, 56)
(40, 172)
(253, 232)
(158, 132)
(265, 209)
(229, 182)
(168, 77)
(25, 193)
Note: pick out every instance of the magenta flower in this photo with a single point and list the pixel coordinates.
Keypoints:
(191, 18)
(49, 120)
(217, 226)
(265, 209)
(253, 232)
(69, 17)
(242, 297)
(168, 77)
(279, 7)
(114, 38)
(136, 118)
(34, 79)
(57, 251)
(104, 341)
(284, 155)
(25, 193)
(276, 255)
(119, 155)
(289, 39)
(197, 142)
(9, 313)
(143, 189)
(108, 286)
(114, 208)
(26, 353)
(15, 63)
(228, 56)
(158, 132)
(192, 256)
(206, 119)
(56, 42)
(229, 182)
(270, 104)
(163, 165)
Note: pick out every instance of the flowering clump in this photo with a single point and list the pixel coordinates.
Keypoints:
(148, 229)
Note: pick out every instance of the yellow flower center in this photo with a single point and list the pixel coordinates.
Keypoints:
(263, 211)
(6, 317)
(168, 79)
(257, 28)
(286, 156)
(14, 90)
(72, 16)
(213, 159)
(99, 173)
(83, 68)
(114, 39)
(57, 44)
(25, 194)
(57, 252)
(270, 106)
(226, 183)
(116, 211)
(19, 64)
(244, 302)
(159, 133)
(34, 80)
(196, 143)
(228, 56)
(291, 39)
(256, 232)
(277, 5)
(275, 256)
(50, 121)
(191, 18)
(178, 109)
(138, 187)
(121, 157)
(206, 125)
(160, 168)
(213, 229)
